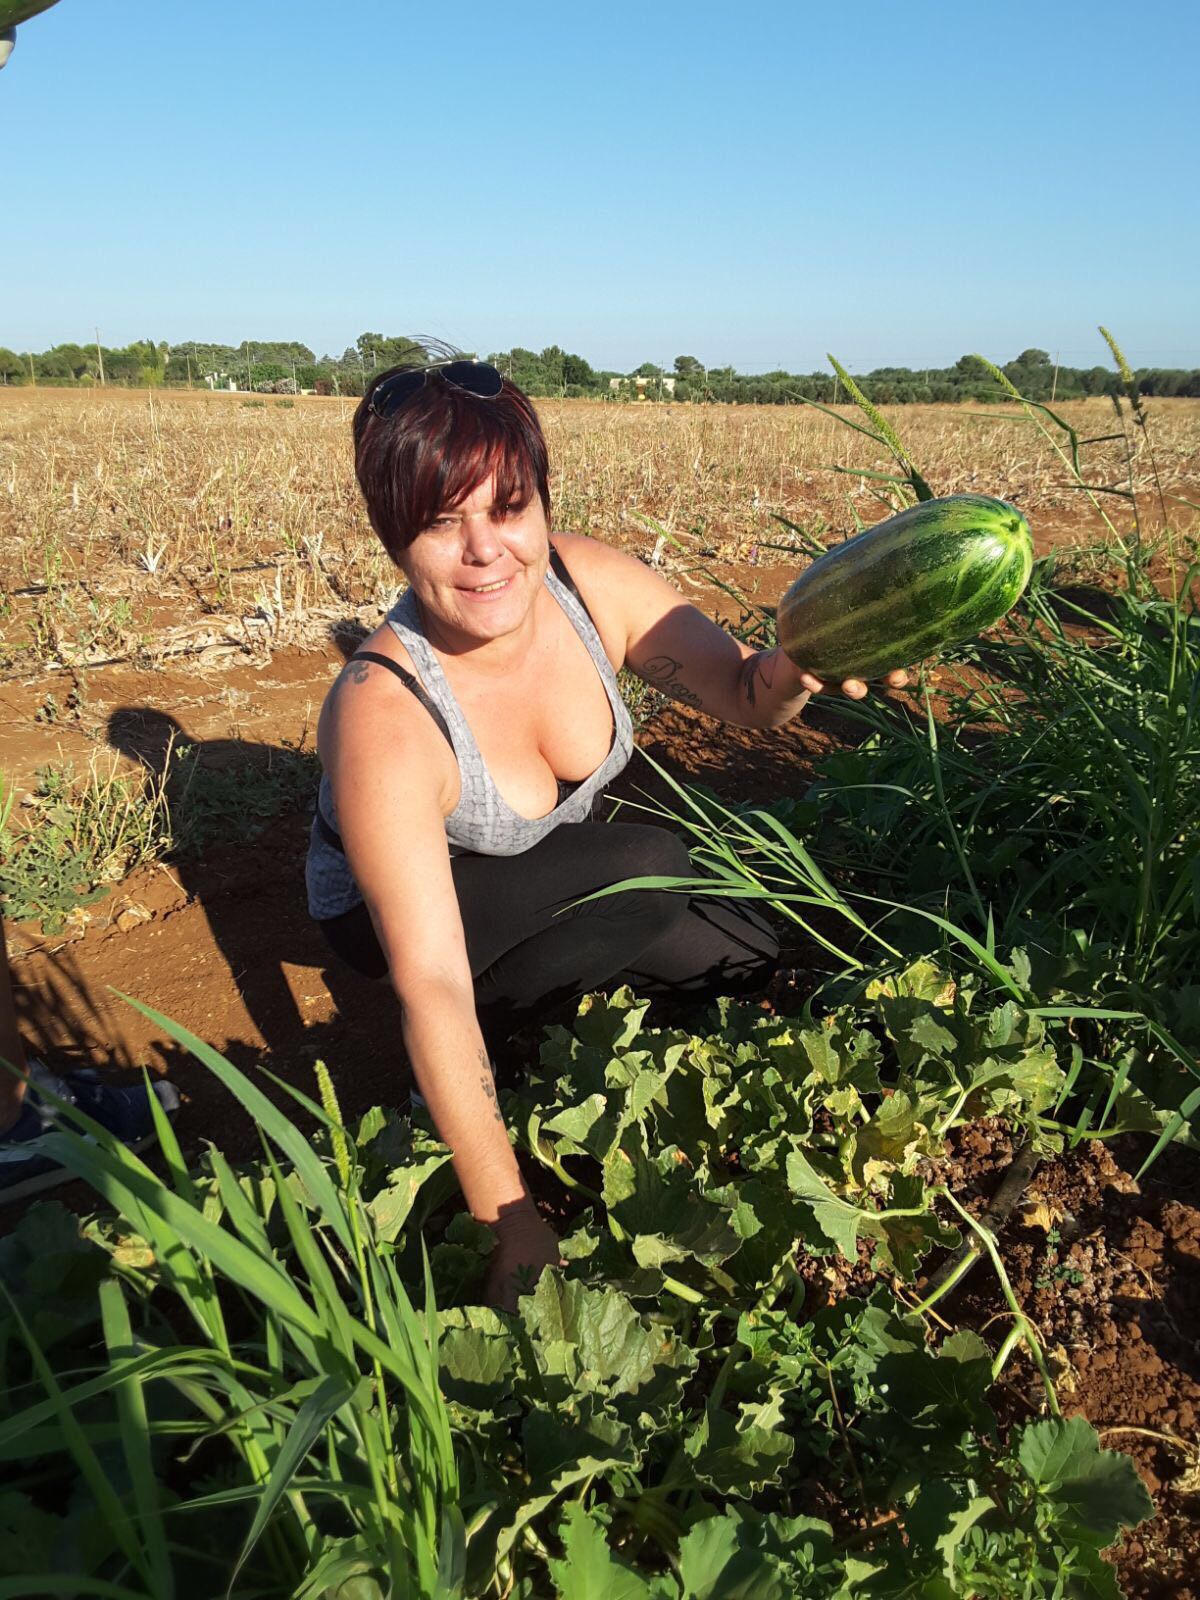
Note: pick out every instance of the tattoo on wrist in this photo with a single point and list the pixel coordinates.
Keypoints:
(663, 673)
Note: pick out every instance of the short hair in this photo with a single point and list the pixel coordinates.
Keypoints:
(438, 447)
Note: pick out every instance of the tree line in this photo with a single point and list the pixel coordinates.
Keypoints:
(290, 367)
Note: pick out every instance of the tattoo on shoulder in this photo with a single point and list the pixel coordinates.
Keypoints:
(763, 665)
(354, 671)
(663, 673)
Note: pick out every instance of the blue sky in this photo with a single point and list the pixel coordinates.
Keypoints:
(751, 183)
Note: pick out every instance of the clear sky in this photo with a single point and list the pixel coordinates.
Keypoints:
(749, 182)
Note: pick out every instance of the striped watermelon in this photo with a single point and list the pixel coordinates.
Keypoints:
(14, 11)
(934, 575)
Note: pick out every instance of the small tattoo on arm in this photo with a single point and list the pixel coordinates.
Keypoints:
(487, 1083)
(662, 672)
(762, 666)
(353, 672)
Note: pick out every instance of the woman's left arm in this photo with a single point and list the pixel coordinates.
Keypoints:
(672, 645)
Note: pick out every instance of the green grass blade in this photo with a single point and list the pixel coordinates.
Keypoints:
(266, 1115)
(84, 1456)
(115, 1174)
(306, 1429)
(135, 1438)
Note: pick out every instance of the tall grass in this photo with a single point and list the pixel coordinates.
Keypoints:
(289, 1347)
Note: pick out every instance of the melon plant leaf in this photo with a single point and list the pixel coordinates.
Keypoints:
(743, 1555)
(391, 1208)
(838, 1220)
(476, 1367)
(553, 1442)
(715, 1565)
(611, 1023)
(942, 1393)
(590, 1571)
(1094, 1492)
(597, 1341)
(656, 1203)
(740, 1457)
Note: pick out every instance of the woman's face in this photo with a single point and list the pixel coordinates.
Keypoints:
(478, 568)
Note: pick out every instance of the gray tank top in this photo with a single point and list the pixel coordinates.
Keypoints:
(482, 821)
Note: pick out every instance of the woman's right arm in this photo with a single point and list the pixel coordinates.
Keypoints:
(386, 767)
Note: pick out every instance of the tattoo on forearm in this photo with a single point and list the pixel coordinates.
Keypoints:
(762, 666)
(662, 672)
(487, 1083)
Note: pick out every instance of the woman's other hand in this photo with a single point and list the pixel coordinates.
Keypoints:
(853, 688)
(524, 1245)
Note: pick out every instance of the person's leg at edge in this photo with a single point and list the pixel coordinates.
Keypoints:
(29, 1106)
(12, 1046)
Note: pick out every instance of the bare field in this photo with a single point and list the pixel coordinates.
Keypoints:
(137, 525)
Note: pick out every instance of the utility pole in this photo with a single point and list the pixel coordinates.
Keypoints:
(32, 374)
(100, 357)
(1054, 384)
(249, 379)
(295, 385)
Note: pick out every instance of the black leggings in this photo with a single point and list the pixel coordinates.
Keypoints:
(531, 948)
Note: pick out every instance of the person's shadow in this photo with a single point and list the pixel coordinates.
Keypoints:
(240, 816)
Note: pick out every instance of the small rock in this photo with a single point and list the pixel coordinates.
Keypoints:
(132, 916)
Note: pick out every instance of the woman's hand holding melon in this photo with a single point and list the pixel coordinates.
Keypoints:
(852, 688)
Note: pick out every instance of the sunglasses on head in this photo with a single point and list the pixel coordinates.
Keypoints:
(479, 378)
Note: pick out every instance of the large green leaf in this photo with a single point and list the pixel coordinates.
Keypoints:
(1095, 1492)
(590, 1571)
(740, 1456)
(594, 1339)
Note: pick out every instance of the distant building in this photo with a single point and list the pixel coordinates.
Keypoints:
(667, 384)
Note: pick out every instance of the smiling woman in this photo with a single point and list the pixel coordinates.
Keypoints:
(465, 747)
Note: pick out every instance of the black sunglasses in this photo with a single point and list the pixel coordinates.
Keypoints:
(479, 378)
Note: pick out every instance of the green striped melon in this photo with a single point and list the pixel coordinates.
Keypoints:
(934, 575)
(14, 11)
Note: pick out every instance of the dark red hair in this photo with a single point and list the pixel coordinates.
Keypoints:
(440, 446)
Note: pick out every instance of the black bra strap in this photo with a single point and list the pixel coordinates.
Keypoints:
(559, 567)
(409, 682)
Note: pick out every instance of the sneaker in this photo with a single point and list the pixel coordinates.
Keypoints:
(25, 1166)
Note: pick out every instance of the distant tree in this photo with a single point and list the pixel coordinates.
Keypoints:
(688, 367)
(377, 351)
(577, 373)
(551, 361)
(52, 366)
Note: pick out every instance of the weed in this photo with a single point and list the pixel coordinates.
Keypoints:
(233, 802)
(83, 835)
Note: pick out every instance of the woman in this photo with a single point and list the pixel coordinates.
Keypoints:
(465, 744)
